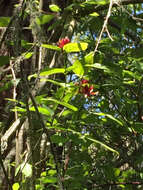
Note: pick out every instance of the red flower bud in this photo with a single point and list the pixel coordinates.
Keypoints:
(63, 42)
(86, 88)
(84, 81)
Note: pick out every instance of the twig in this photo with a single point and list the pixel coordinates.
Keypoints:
(14, 87)
(104, 25)
(48, 137)
(87, 11)
(119, 183)
(109, 34)
(3, 168)
(8, 133)
(5, 173)
(47, 133)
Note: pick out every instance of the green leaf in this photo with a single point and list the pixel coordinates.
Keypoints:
(26, 169)
(19, 109)
(94, 14)
(6, 86)
(43, 174)
(52, 172)
(139, 66)
(95, 2)
(129, 82)
(86, 136)
(102, 144)
(48, 179)
(43, 19)
(4, 60)
(54, 8)
(17, 170)
(45, 111)
(52, 71)
(99, 66)
(102, 2)
(51, 47)
(89, 58)
(137, 126)
(132, 74)
(116, 172)
(15, 186)
(78, 68)
(13, 100)
(27, 55)
(61, 103)
(4, 21)
(110, 117)
(75, 47)
(26, 44)
(62, 84)
(58, 139)
(47, 72)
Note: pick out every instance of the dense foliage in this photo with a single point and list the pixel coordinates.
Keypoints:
(71, 95)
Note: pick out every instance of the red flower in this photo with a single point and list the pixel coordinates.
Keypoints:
(84, 81)
(86, 88)
(63, 42)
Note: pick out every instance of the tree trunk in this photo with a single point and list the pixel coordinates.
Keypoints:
(28, 136)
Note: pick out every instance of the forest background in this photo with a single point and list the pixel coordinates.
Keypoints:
(71, 84)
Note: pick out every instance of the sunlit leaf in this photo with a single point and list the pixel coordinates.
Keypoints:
(61, 103)
(19, 109)
(26, 169)
(15, 186)
(46, 111)
(54, 8)
(132, 74)
(27, 55)
(43, 19)
(94, 14)
(52, 71)
(78, 68)
(51, 47)
(116, 172)
(48, 179)
(47, 72)
(89, 58)
(95, 2)
(52, 172)
(75, 47)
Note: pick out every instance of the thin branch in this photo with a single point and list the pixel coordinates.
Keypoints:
(87, 11)
(14, 87)
(5, 173)
(47, 133)
(116, 26)
(119, 183)
(8, 133)
(104, 25)
(3, 168)
(108, 33)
